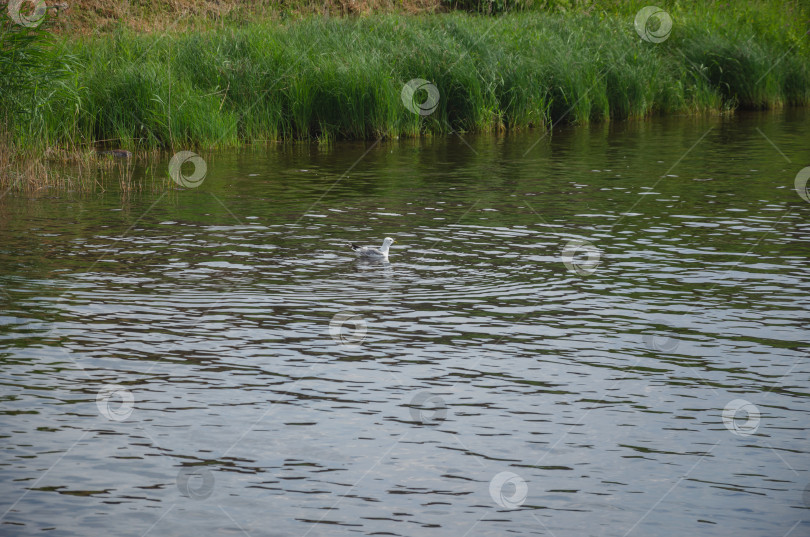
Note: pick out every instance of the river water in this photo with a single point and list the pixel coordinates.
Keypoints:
(598, 332)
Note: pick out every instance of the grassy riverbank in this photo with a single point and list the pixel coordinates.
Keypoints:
(330, 78)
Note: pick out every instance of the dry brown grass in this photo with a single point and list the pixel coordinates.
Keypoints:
(36, 172)
(99, 16)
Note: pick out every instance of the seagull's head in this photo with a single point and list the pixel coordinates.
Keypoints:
(387, 242)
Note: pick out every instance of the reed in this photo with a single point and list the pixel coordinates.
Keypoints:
(342, 78)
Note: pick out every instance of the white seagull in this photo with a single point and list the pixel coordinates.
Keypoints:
(370, 252)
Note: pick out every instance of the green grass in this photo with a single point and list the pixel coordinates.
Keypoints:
(341, 78)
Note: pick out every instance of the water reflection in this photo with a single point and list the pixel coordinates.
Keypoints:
(476, 384)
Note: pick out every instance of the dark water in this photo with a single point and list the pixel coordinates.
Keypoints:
(169, 367)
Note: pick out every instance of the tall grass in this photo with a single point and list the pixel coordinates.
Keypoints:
(39, 88)
(39, 105)
(330, 78)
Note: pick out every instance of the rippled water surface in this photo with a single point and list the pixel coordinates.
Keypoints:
(598, 332)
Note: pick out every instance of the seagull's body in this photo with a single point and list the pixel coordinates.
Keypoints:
(370, 252)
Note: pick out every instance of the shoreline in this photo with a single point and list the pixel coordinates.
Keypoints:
(395, 75)
(145, 170)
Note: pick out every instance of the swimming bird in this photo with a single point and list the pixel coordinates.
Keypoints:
(371, 252)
